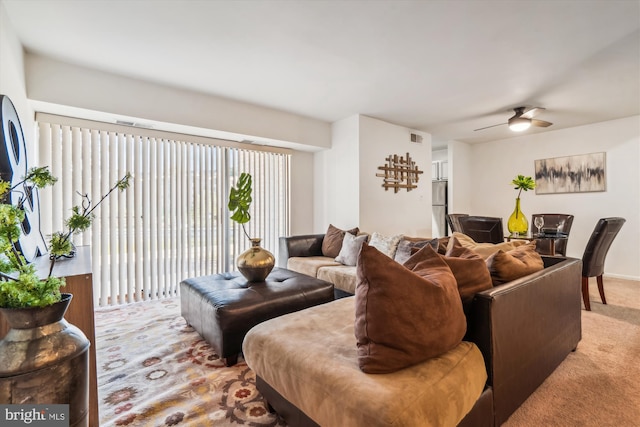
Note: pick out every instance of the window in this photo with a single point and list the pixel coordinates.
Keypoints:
(173, 222)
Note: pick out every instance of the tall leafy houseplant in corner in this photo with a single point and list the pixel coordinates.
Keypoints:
(256, 263)
(518, 223)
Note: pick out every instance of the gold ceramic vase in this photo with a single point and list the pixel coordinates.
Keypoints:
(518, 223)
(255, 263)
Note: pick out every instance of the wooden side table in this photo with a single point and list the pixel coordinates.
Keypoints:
(79, 279)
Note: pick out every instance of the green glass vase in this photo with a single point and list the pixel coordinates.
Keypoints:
(518, 223)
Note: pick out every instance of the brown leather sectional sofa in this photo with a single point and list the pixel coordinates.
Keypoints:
(524, 329)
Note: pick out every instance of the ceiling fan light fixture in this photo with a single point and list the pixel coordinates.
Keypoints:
(519, 124)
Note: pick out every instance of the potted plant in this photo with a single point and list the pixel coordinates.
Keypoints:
(41, 349)
(518, 223)
(256, 263)
(20, 286)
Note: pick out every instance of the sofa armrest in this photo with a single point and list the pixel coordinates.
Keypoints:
(303, 245)
(525, 329)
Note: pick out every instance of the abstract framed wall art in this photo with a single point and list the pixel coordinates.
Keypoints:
(571, 174)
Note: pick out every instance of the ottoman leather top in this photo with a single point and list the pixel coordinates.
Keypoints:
(282, 292)
(223, 307)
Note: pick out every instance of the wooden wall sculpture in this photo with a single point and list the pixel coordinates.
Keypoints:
(399, 173)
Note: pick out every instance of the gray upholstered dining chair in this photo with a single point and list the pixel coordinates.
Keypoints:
(482, 229)
(454, 223)
(595, 253)
(557, 222)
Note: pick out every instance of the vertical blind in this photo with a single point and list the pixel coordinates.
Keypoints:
(172, 222)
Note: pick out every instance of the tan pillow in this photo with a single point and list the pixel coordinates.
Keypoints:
(483, 249)
(404, 317)
(332, 242)
(470, 271)
(507, 266)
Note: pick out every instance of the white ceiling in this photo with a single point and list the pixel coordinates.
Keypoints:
(444, 67)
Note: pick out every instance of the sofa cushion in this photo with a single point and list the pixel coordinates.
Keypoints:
(385, 244)
(310, 358)
(343, 277)
(332, 242)
(404, 317)
(309, 265)
(519, 262)
(409, 246)
(483, 249)
(350, 247)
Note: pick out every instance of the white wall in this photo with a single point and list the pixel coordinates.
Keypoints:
(56, 82)
(460, 177)
(12, 77)
(348, 192)
(337, 178)
(496, 163)
(384, 211)
(440, 155)
(302, 190)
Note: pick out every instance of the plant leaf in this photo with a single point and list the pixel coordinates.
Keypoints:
(240, 199)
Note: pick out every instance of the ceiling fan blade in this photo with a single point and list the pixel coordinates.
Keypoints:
(492, 126)
(540, 123)
(529, 114)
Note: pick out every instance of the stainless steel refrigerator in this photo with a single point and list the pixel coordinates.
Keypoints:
(439, 208)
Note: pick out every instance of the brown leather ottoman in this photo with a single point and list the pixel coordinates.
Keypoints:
(223, 307)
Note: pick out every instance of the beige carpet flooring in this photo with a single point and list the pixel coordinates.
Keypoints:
(598, 384)
(154, 370)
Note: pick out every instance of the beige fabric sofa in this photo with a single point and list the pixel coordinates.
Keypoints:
(303, 254)
(342, 276)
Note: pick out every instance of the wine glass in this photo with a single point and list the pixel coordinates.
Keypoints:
(538, 222)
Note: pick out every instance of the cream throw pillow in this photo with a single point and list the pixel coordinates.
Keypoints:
(350, 248)
(386, 245)
(485, 250)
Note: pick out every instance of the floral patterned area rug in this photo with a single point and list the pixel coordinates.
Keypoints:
(154, 370)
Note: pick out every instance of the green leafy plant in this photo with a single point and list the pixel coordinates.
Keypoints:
(20, 286)
(240, 201)
(525, 183)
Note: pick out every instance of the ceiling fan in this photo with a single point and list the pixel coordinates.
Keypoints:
(522, 119)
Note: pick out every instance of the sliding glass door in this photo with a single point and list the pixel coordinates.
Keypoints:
(173, 222)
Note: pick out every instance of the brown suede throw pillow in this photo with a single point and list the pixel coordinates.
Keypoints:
(443, 242)
(332, 242)
(469, 269)
(405, 317)
(507, 266)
